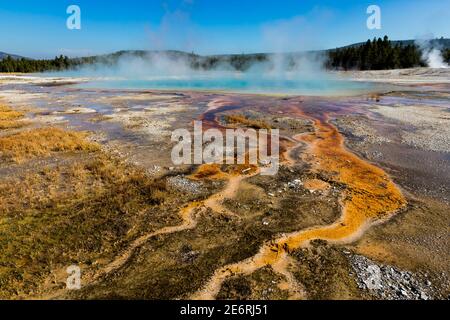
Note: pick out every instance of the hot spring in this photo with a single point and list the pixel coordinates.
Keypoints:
(280, 74)
(239, 84)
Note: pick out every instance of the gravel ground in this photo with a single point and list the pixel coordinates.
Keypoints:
(185, 185)
(430, 125)
(359, 128)
(143, 122)
(401, 76)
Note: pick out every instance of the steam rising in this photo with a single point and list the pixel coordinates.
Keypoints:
(434, 58)
(274, 73)
(431, 53)
(178, 65)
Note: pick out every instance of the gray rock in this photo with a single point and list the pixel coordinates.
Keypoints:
(387, 282)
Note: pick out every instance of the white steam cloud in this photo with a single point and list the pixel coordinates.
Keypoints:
(159, 65)
(434, 58)
(431, 52)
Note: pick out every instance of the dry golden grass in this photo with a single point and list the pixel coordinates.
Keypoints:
(241, 119)
(42, 142)
(209, 171)
(6, 113)
(83, 210)
(52, 186)
(316, 184)
(9, 119)
(79, 213)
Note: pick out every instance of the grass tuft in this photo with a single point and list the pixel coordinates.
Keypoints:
(34, 143)
(9, 119)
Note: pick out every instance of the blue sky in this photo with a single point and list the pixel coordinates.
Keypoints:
(38, 28)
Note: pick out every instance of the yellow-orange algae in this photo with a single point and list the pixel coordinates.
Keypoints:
(370, 196)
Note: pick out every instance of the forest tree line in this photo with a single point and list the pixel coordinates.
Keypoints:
(32, 66)
(376, 54)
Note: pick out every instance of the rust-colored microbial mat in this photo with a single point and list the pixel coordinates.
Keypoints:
(369, 197)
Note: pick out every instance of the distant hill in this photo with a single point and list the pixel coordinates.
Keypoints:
(237, 61)
(3, 55)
